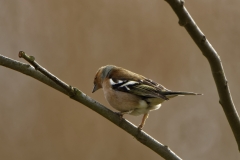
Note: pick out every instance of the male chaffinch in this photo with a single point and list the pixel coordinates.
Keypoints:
(131, 93)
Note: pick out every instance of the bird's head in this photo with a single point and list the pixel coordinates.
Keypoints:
(101, 74)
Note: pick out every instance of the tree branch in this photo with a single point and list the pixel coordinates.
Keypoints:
(214, 60)
(42, 75)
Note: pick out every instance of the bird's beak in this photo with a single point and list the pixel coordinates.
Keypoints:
(94, 88)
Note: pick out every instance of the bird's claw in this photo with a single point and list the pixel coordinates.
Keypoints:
(140, 127)
(119, 114)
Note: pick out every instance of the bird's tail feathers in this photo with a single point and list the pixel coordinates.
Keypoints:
(179, 93)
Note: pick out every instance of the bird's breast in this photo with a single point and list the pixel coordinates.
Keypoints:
(122, 101)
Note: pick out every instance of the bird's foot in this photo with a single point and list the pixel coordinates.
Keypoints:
(140, 127)
(120, 115)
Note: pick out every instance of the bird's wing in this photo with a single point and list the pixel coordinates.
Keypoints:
(144, 88)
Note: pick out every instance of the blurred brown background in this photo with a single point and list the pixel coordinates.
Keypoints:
(72, 39)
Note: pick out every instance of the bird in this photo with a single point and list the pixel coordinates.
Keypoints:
(132, 93)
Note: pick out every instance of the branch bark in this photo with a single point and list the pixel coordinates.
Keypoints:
(214, 60)
(41, 74)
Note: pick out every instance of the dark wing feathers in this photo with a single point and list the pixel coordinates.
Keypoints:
(144, 88)
(147, 91)
(159, 87)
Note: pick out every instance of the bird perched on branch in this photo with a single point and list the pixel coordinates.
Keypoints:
(131, 93)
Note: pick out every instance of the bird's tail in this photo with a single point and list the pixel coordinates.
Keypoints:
(170, 94)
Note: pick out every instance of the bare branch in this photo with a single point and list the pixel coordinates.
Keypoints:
(214, 60)
(32, 61)
(49, 79)
(30, 71)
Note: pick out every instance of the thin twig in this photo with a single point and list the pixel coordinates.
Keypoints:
(45, 76)
(29, 71)
(214, 60)
(55, 79)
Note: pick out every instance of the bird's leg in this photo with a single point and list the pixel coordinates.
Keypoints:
(145, 116)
